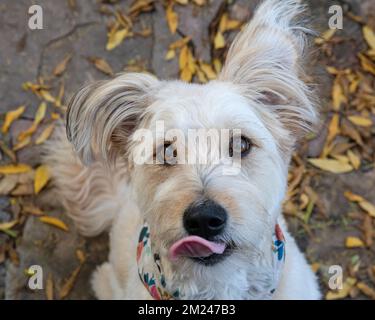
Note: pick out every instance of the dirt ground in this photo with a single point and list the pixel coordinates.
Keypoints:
(330, 214)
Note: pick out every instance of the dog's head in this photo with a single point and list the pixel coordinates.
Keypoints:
(203, 220)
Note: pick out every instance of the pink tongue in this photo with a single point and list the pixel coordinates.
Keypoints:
(194, 246)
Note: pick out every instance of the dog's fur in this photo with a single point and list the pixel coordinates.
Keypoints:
(261, 91)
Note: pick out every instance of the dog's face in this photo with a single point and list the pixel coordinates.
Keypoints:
(204, 221)
(178, 200)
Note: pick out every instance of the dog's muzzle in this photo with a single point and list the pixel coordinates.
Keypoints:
(150, 266)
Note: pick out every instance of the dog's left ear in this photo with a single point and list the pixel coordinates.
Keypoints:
(265, 62)
(102, 116)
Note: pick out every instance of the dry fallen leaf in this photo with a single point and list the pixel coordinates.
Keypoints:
(14, 168)
(8, 183)
(6, 150)
(101, 65)
(360, 121)
(338, 96)
(40, 114)
(46, 133)
(370, 292)
(219, 41)
(61, 67)
(331, 165)
(354, 242)
(49, 287)
(344, 292)
(172, 18)
(42, 176)
(116, 37)
(8, 225)
(369, 36)
(362, 202)
(10, 116)
(325, 36)
(69, 283)
(366, 63)
(354, 159)
(54, 222)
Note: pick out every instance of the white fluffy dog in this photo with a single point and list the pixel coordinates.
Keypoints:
(190, 231)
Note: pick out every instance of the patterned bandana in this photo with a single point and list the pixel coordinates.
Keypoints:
(151, 273)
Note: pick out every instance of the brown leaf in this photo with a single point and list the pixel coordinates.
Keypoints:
(69, 283)
(368, 291)
(368, 230)
(49, 287)
(61, 67)
(101, 65)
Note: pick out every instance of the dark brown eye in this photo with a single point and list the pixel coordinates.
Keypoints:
(244, 147)
(170, 153)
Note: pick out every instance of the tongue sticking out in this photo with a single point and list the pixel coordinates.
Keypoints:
(194, 246)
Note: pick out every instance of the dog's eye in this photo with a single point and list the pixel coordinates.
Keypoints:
(170, 153)
(244, 147)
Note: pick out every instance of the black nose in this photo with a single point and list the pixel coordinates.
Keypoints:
(206, 219)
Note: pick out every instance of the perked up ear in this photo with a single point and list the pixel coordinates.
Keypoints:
(265, 62)
(102, 115)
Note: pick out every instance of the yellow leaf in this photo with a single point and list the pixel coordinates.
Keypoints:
(219, 41)
(14, 168)
(354, 242)
(115, 38)
(331, 165)
(40, 114)
(42, 175)
(8, 225)
(344, 292)
(368, 207)
(54, 222)
(208, 71)
(369, 36)
(61, 67)
(354, 159)
(47, 96)
(360, 121)
(22, 144)
(186, 75)
(172, 18)
(199, 2)
(326, 35)
(366, 64)
(10, 117)
(170, 54)
(368, 291)
(338, 96)
(333, 129)
(45, 134)
(217, 65)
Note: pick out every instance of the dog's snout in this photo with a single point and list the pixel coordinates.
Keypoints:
(206, 219)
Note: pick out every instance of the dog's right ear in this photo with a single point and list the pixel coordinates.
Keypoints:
(102, 115)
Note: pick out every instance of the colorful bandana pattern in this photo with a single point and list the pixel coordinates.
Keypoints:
(151, 272)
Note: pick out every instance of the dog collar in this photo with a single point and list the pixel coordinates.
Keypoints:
(151, 273)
